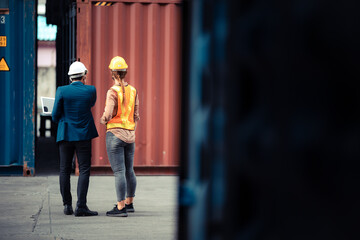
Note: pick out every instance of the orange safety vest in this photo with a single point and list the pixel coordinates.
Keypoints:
(125, 114)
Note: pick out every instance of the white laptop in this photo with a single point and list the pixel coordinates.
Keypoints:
(47, 105)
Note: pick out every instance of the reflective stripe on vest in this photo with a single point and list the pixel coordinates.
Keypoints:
(125, 113)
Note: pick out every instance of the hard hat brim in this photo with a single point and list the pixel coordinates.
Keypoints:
(78, 75)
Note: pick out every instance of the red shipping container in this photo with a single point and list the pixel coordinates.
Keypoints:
(147, 34)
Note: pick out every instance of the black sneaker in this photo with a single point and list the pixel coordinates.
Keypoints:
(115, 212)
(130, 207)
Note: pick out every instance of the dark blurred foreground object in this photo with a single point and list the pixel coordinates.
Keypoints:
(271, 122)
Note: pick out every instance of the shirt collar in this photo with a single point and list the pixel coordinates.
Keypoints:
(126, 84)
(77, 83)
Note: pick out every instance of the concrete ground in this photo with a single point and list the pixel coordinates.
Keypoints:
(31, 208)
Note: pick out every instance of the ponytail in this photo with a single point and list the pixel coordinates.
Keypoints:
(120, 75)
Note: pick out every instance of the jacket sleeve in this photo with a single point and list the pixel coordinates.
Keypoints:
(58, 106)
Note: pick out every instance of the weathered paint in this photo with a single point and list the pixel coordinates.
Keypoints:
(148, 35)
(17, 89)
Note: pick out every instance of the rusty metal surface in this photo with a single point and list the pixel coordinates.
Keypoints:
(148, 37)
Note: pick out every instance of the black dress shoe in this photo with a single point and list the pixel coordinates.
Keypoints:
(68, 210)
(84, 211)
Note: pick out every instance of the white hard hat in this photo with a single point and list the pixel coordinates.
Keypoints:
(77, 69)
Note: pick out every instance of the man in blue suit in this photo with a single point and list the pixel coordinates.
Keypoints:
(76, 128)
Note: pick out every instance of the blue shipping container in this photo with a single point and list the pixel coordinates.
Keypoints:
(17, 87)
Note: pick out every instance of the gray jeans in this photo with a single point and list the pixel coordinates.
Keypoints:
(121, 157)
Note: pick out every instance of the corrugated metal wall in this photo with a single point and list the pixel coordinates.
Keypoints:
(148, 36)
(17, 88)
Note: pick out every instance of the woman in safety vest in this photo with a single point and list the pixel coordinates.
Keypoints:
(120, 116)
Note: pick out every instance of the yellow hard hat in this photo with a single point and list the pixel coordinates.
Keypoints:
(118, 64)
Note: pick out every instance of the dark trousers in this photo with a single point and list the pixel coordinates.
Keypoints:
(83, 153)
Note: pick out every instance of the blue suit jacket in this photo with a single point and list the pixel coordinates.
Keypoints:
(72, 112)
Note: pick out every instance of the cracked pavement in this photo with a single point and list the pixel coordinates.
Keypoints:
(32, 209)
